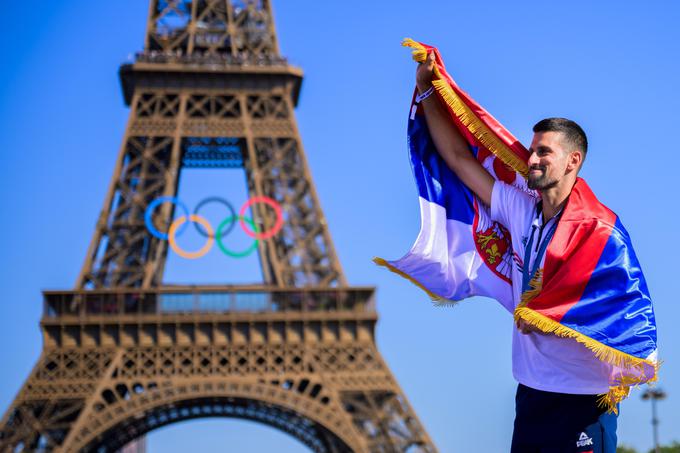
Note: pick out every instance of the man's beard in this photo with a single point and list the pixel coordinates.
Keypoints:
(540, 181)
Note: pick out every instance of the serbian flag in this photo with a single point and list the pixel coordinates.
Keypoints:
(591, 288)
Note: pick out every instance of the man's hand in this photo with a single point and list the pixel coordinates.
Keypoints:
(525, 328)
(424, 73)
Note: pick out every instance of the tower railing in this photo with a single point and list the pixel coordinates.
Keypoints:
(209, 58)
(206, 299)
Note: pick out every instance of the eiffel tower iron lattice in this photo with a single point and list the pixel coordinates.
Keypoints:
(123, 354)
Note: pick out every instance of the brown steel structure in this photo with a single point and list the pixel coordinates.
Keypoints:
(124, 354)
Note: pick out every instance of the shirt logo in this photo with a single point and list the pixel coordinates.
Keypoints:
(584, 440)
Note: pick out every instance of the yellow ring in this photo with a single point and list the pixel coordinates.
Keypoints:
(203, 250)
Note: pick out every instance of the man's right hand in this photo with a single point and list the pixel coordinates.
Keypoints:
(424, 73)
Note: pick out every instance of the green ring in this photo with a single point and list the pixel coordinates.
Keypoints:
(226, 251)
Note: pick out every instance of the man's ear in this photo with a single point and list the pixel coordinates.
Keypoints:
(575, 160)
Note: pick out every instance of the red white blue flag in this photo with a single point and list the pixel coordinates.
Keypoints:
(591, 288)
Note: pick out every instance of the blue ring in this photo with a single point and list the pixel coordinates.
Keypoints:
(219, 200)
(149, 212)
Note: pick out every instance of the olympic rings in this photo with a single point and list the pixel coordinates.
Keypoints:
(277, 209)
(232, 220)
(190, 255)
(149, 211)
(232, 213)
(204, 228)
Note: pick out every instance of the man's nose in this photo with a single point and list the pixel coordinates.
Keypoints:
(533, 160)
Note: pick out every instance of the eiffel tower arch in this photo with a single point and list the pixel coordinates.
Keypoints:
(124, 354)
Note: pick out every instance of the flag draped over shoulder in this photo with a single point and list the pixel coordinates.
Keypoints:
(591, 288)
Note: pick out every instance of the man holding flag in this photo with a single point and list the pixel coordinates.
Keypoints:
(520, 226)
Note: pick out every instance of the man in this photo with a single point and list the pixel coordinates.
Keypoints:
(559, 379)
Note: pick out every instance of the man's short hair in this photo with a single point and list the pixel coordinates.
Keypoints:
(573, 133)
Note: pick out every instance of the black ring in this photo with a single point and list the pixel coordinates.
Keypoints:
(232, 213)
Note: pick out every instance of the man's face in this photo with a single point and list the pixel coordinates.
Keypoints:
(548, 160)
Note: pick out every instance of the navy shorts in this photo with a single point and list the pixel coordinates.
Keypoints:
(548, 422)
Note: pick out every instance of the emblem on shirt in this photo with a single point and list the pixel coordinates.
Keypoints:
(584, 440)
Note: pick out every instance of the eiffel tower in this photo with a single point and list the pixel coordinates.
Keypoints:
(124, 354)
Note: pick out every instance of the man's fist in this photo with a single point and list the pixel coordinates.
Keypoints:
(424, 73)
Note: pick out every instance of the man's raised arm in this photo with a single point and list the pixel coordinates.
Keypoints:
(449, 143)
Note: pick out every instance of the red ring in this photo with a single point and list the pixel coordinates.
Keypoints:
(279, 217)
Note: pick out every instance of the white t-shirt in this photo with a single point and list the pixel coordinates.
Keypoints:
(542, 362)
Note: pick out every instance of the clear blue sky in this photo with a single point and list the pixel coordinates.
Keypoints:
(610, 65)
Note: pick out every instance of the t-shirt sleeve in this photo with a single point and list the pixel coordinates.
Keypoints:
(509, 205)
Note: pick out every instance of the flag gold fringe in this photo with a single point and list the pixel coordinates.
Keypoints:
(419, 51)
(613, 397)
(382, 262)
(467, 117)
(603, 352)
(433, 296)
